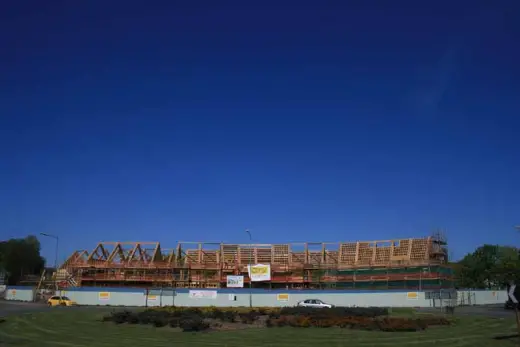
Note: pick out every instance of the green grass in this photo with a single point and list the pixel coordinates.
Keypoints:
(62, 327)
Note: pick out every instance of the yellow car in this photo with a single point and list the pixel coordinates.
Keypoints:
(60, 301)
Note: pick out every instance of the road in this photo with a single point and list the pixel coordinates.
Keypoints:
(496, 311)
(13, 307)
(16, 307)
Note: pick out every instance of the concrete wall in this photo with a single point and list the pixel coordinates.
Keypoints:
(19, 293)
(273, 298)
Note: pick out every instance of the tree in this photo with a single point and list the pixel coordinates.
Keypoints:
(20, 257)
(489, 266)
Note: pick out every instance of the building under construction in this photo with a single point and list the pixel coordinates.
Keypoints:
(419, 263)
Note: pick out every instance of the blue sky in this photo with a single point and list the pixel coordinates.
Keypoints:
(332, 121)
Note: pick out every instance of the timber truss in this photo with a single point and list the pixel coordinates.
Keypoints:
(203, 264)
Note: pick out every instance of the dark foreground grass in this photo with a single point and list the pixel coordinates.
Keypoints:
(78, 327)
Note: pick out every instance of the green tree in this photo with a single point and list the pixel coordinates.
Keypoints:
(20, 257)
(489, 266)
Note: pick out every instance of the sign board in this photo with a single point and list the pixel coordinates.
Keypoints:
(412, 295)
(513, 293)
(235, 282)
(152, 297)
(259, 272)
(282, 297)
(203, 294)
(104, 296)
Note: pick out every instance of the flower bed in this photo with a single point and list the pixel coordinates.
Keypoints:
(336, 311)
(196, 319)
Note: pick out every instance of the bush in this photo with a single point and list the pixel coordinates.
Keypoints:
(133, 319)
(193, 324)
(336, 311)
(225, 316)
(160, 322)
(192, 319)
(357, 322)
(174, 322)
(304, 322)
(249, 317)
(120, 317)
(144, 318)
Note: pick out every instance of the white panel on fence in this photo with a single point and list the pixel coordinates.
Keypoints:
(203, 294)
(235, 282)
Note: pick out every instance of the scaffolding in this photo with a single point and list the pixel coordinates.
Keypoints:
(405, 263)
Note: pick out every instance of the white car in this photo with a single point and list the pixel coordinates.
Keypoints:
(313, 303)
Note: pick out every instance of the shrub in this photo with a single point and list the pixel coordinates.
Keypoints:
(299, 321)
(160, 322)
(192, 319)
(174, 322)
(193, 324)
(249, 317)
(120, 317)
(133, 319)
(225, 316)
(321, 320)
(336, 311)
(144, 318)
(304, 322)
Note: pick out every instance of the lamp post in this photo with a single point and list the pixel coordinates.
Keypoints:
(250, 270)
(56, 251)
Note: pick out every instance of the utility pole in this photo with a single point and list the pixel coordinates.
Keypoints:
(517, 227)
(56, 251)
(250, 271)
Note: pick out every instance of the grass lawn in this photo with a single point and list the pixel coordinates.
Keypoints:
(81, 327)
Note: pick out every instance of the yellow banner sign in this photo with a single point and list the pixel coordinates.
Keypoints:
(259, 272)
(412, 295)
(104, 296)
(282, 297)
(264, 270)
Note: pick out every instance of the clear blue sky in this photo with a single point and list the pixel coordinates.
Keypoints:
(169, 120)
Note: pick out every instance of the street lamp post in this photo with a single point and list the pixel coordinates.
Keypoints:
(250, 270)
(56, 251)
